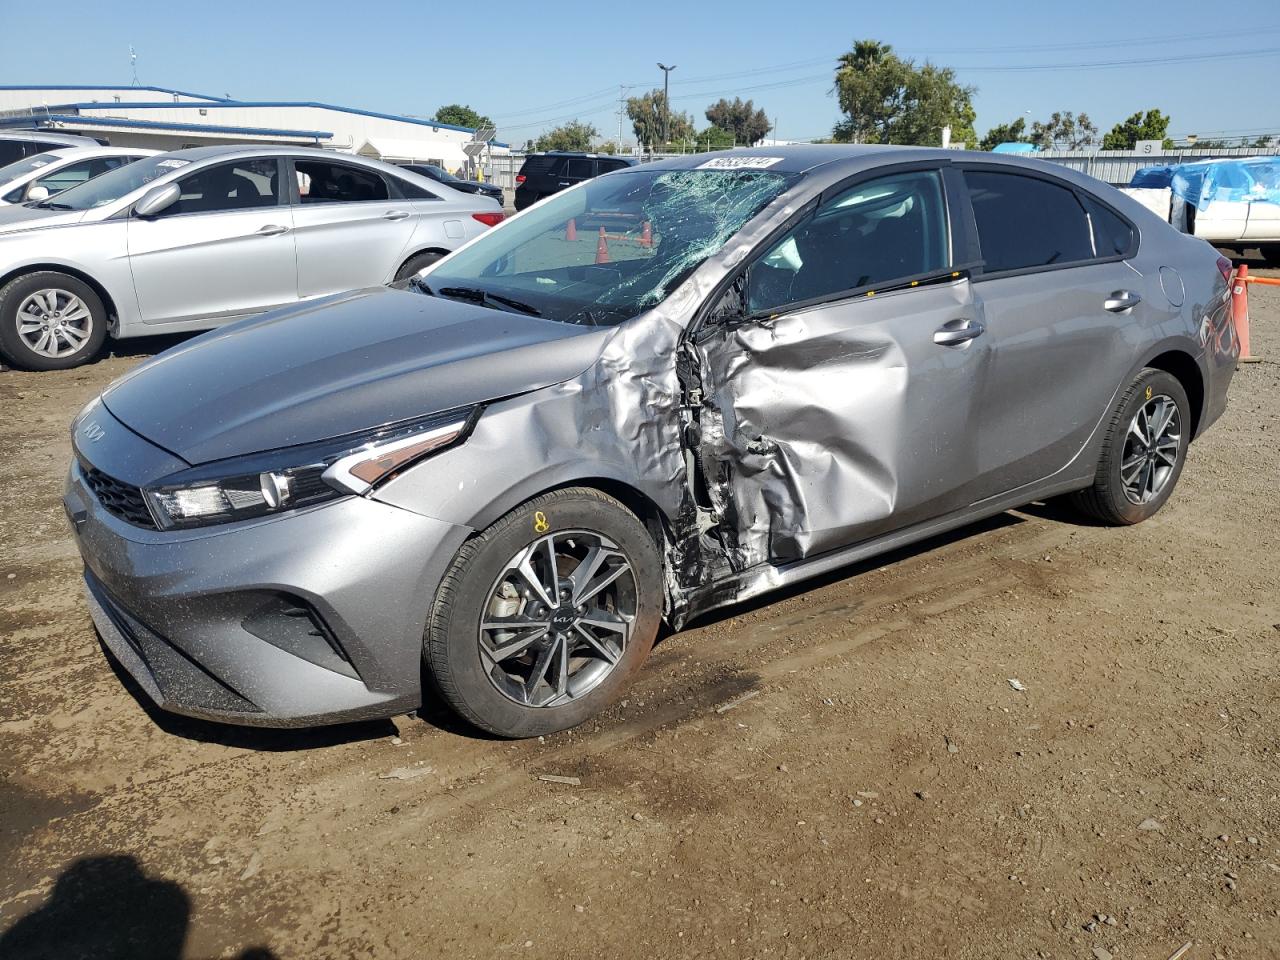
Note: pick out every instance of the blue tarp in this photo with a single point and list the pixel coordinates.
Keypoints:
(1255, 179)
(1015, 148)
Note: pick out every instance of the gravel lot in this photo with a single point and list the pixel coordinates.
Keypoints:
(840, 771)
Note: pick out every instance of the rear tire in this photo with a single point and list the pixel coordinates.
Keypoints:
(546, 668)
(1270, 253)
(1143, 451)
(416, 263)
(50, 321)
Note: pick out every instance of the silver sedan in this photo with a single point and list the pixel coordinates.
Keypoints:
(196, 238)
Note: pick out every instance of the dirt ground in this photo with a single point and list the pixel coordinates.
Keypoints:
(841, 771)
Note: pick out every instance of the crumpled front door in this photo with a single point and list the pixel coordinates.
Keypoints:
(835, 423)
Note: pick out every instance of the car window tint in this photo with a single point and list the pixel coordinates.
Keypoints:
(240, 185)
(1027, 222)
(413, 191)
(323, 182)
(1112, 236)
(876, 232)
(579, 168)
(608, 165)
(67, 176)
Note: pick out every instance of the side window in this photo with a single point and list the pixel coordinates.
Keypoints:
(1027, 222)
(67, 176)
(239, 185)
(322, 182)
(412, 191)
(607, 166)
(878, 231)
(580, 168)
(1112, 236)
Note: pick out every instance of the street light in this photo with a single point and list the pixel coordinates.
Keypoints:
(666, 101)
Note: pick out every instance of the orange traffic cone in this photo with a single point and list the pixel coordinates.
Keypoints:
(646, 234)
(571, 230)
(1240, 310)
(602, 248)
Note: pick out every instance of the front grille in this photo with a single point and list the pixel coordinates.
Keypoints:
(118, 499)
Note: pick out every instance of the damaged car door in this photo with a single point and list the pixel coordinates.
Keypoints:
(841, 372)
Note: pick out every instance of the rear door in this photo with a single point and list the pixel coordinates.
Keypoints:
(843, 406)
(351, 226)
(576, 170)
(225, 249)
(1062, 310)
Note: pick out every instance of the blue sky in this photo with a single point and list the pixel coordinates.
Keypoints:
(532, 65)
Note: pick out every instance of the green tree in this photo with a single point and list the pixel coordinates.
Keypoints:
(607, 147)
(574, 135)
(886, 99)
(1004, 133)
(713, 138)
(1065, 131)
(1153, 125)
(647, 114)
(742, 121)
(461, 115)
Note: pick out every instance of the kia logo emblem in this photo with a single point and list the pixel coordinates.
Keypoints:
(93, 431)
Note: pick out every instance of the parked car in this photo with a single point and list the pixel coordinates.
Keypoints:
(441, 175)
(17, 144)
(1232, 202)
(543, 174)
(44, 175)
(196, 238)
(504, 473)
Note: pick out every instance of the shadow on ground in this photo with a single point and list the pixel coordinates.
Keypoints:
(107, 908)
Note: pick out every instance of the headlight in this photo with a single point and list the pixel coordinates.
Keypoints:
(266, 483)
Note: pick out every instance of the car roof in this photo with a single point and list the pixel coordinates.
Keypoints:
(47, 136)
(73, 152)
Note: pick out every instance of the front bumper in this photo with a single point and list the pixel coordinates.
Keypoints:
(313, 616)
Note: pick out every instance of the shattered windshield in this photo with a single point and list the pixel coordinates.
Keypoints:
(611, 249)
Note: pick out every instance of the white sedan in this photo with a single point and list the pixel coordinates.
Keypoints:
(43, 175)
(197, 238)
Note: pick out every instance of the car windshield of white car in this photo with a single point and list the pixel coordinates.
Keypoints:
(616, 246)
(114, 184)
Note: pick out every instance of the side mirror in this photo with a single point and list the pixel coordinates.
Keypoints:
(156, 200)
(38, 193)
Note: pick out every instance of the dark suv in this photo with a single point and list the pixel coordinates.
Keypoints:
(546, 173)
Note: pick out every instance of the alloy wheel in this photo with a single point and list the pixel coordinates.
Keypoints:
(557, 619)
(1151, 449)
(54, 323)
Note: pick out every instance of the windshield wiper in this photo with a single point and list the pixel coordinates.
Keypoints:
(51, 205)
(476, 295)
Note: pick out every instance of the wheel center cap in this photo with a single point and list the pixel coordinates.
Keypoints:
(563, 618)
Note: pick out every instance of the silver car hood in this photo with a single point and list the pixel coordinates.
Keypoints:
(338, 366)
(16, 217)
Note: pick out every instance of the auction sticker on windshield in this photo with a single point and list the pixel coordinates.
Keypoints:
(739, 163)
(172, 164)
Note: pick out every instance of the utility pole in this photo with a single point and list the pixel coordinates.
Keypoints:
(622, 100)
(666, 101)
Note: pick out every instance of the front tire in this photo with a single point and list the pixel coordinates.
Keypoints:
(50, 321)
(1143, 451)
(545, 616)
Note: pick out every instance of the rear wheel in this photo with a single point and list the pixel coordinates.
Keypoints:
(416, 263)
(1271, 253)
(50, 321)
(544, 617)
(1142, 453)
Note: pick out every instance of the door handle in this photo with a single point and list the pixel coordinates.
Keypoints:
(1121, 301)
(957, 333)
(272, 230)
(565, 183)
(394, 215)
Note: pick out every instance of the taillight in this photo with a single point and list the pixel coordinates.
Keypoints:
(520, 178)
(490, 219)
(1224, 268)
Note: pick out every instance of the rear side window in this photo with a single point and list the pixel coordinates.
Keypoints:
(537, 165)
(580, 168)
(1026, 222)
(1112, 236)
(322, 182)
(607, 165)
(411, 191)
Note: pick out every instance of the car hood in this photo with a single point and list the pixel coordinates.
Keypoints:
(17, 217)
(338, 366)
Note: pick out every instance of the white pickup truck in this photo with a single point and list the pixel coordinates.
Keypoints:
(1231, 202)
